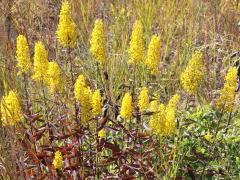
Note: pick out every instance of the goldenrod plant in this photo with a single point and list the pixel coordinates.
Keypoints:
(40, 65)
(98, 44)
(66, 30)
(23, 56)
(136, 46)
(11, 109)
(227, 94)
(192, 77)
(58, 160)
(126, 107)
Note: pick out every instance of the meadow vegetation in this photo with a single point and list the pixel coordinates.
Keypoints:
(138, 89)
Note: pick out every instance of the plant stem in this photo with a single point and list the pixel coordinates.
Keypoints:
(26, 93)
(44, 101)
(228, 123)
(72, 81)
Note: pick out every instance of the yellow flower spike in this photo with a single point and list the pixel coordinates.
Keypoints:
(169, 122)
(126, 108)
(163, 121)
(58, 160)
(136, 49)
(226, 100)
(102, 133)
(153, 54)
(143, 99)
(54, 76)
(153, 106)
(40, 63)
(66, 30)
(156, 120)
(23, 56)
(192, 77)
(96, 103)
(98, 42)
(80, 83)
(173, 101)
(170, 116)
(83, 95)
(10, 109)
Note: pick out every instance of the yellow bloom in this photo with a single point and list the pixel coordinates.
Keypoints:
(58, 160)
(154, 106)
(79, 85)
(170, 122)
(173, 101)
(126, 108)
(163, 121)
(156, 117)
(98, 44)
(54, 77)
(66, 30)
(10, 109)
(136, 49)
(96, 103)
(102, 133)
(208, 137)
(40, 63)
(143, 99)
(227, 94)
(83, 94)
(23, 57)
(153, 54)
(192, 77)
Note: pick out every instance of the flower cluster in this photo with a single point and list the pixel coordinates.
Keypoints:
(126, 108)
(102, 133)
(66, 30)
(10, 109)
(153, 54)
(136, 49)
(192, 77)
(227, 94)
(174, 101)
(98, 44)
(54, 77)
(58, 160)
(162, 121)
(96, 103)
(40, 63)
(23, 56)
(83, 95)
(143, 99)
